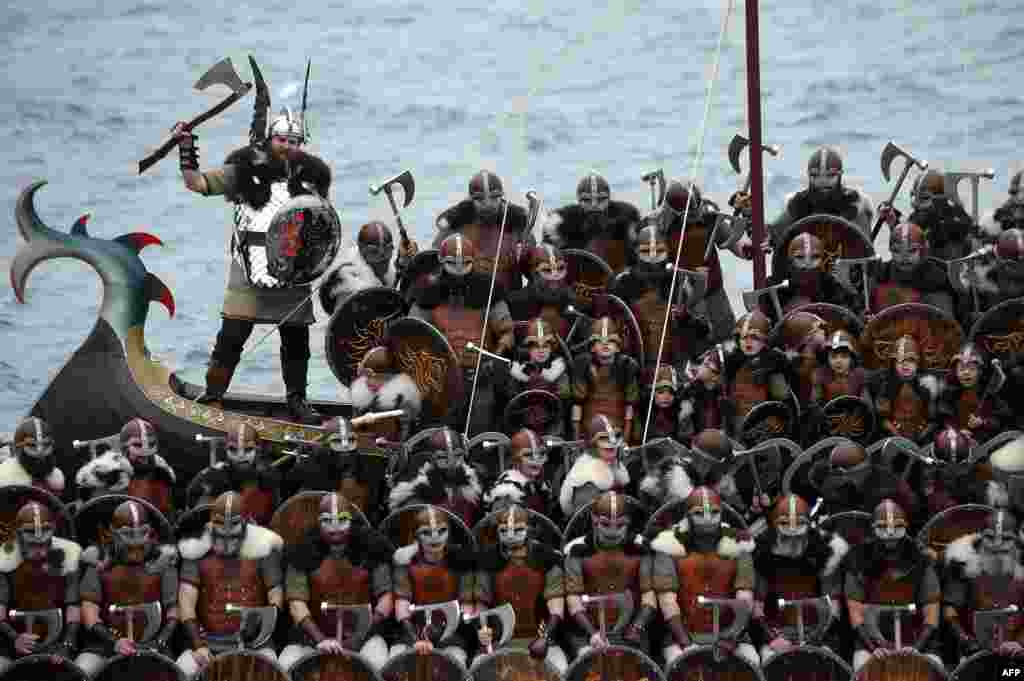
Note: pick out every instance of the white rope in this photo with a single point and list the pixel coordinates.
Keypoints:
(693, 175)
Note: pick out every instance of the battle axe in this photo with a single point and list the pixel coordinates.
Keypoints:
(890, 153)
(990, 625)
(451, 611)
(505, 614)
(408, 191)
(622, 599)
(823, 608)
(751, 299)
(842, 270)
(54, 623)
(268, 620)
(111, 441)
(363, 615)
(736, 147)
(741, 616)
(655, 178)
(214, 441)
(872, 613)
(153, 613)
(952, 180)
(222, 73)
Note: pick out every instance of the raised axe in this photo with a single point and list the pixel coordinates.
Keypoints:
(951, 181)
(222, 73)
(741, 615)
(505, 614)
(213, 441)
(362, 614)
(990, 625)
(110, 441)
(842, 270)
(501, 447)
(958, 267)
(408, 191)
(655, 178)
(736, 147)
(53, 617)
(698, 282)
(890, 153)
(623, 600)
(872, 613)
(153, 613)
(822, 605)
(452, 611)
(268, 620)
(751, 299)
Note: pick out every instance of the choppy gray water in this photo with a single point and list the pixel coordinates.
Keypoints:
(537, 93)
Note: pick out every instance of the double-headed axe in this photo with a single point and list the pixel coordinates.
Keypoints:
(505, 614)
(451, 611)
(363, 620)
(408, 191)
(842, 270)
(655, 178)
(952, 180)
(889, 154)
(736, 146)
(752, 299)
(222, 73)
(152, 612)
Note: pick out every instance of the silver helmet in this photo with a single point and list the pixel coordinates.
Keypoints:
(289, 124)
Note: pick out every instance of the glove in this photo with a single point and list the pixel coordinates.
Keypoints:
(188, 152)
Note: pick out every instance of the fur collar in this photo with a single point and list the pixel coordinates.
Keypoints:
(685, 409)
(457, 557)
(667, 485)
(963, 551)
(510, 485)
(398, 393)
(470, 490)
(551, 374)
(11, 559)
(110, 461)
(584, 546)
(590, 470)
(351, 275)
(838, 548)
(672, 542)
(13, 473)
(463, 213)
(563, 227)
(259, 543)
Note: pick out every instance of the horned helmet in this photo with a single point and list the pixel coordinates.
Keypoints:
(432, 533)
(336, 514)
(375, 242)
(139, 441)
(33, 444)
(529, 454)
(132, 533)
(825, 170)
(593, 193)
(609, 517)
(228, 524)
(488, 194)
(289, 125)
(513, 524)
(34, 527)
(457, 254)
(242, 445)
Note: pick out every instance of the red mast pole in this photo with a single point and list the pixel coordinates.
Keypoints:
(754, 121)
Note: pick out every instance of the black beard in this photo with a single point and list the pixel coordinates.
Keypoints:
(595, 223)
(649, 273)
(488, 216)
(244, 472)
(547, 293)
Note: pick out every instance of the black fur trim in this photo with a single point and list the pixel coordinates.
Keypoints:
(845, 203)
(573, 232)
(255, 171)
(366, 548)
(630, 547)
(464, 213)
(307, 168)
(624, 368)
(462, 558)
(472, 290)
(813, 560)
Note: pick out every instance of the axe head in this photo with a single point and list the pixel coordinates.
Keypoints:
(223, 73)
(111, 441)
(54, 618)
(890, 153)
(992, 626)
(751, 299)
(534, 210)
(873, 613)
(736, 147)
(362, 616)
(404, 179)
(740, 617)
(153, 612)
(842, 269)
(659, 177)
(505, 614)
(952, 182)
(451, 610)
(812, 633)
(268, 620)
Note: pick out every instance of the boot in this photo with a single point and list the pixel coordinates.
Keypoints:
(295, 384)
(218, 378)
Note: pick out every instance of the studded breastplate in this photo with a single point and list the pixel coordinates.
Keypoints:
(523, 587)
(609, 572)
(703, 574)
(224, 581)
(337, 582)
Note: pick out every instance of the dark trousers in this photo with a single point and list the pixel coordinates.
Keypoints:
(235, 332)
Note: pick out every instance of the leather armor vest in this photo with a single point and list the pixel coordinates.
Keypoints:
(338, 582)
(523, 587)
(611, 571)
(156, 492)
(703, 574)
(651, 310)
(891, 588)
(128, 585)
(433, 583)
(224, 581)
(746, 393)
(36, 589)
(909, 412)
(791, 580)
(605, 396)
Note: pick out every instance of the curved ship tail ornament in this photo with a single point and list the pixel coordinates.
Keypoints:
(111, 378)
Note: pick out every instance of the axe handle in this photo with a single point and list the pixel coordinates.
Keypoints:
(892, 197)
(146, 163)
(398, 216)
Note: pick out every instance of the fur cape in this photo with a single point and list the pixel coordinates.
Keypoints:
(366, 548)
(540, 557)
(564, 227)
(352, 274)
(463, 213)
(850, 203)
(473, 289)
(460, 558)
(624, 368)
(672, 542)
(255, 171)
(400, 392)
(590, 470)
(963, 558)
(512, 485)
(584, 547)
(429, 486)
(90, 476)
(825, 553)
(870, 559)
(63, 558)
(259, 543)
(551, 373)
(668, 483)
(13, 473)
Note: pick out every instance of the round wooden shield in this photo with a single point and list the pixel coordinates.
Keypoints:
(13, 497)
(674, 511)
(357, 325)
(900, 455)
(912, 666)
(192, 523)
(700, 663)
(614, 662)
(805, 475)
(766, 421)
(417, 274)
(347, 666)
(422, 352)
(938, 336)
(410, 665)
(851, 417)
(588, 275)
(579, 524)
(242, 664)
(840, 238)
(511, 664)
(143, 665)
(1000, 330)
(400, 529)
(856, 527)
(986, 665)
(761, 468)
(542, 530)
(301, 513)
(92, 520)
(538, 410)
(302, 240)
(806, 663)
(951, 524)
(44, 668)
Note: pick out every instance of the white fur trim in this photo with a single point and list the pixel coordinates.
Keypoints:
(518, 373)
(91, 556)
(961, 550)
(509, 485)
(162, 463)
(988, 227)
(195, 548)
(88, 476)
(403, 491)
(259, 543)
(55, 480)
(996, 494)
(551, 222)
(791, 355)
(354, 274)
(931, 384)
(404, 555)
(685, 409)
(13, 473)
(678, 483)
(10, 560)
(578, 541)
(1010, 456)
(651, 485)
(167, 557)
(400, 385)
(555, 371)
(666, 542)
(838, 550)
(590, 470)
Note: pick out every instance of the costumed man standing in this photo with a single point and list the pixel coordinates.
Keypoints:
(137, 581)
(40, 573)
(33, 462)
(1010, 215)
(236, 563)
(366, 264)
(598, 470)
(946, 224)
(258, 179)
(338, 564)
